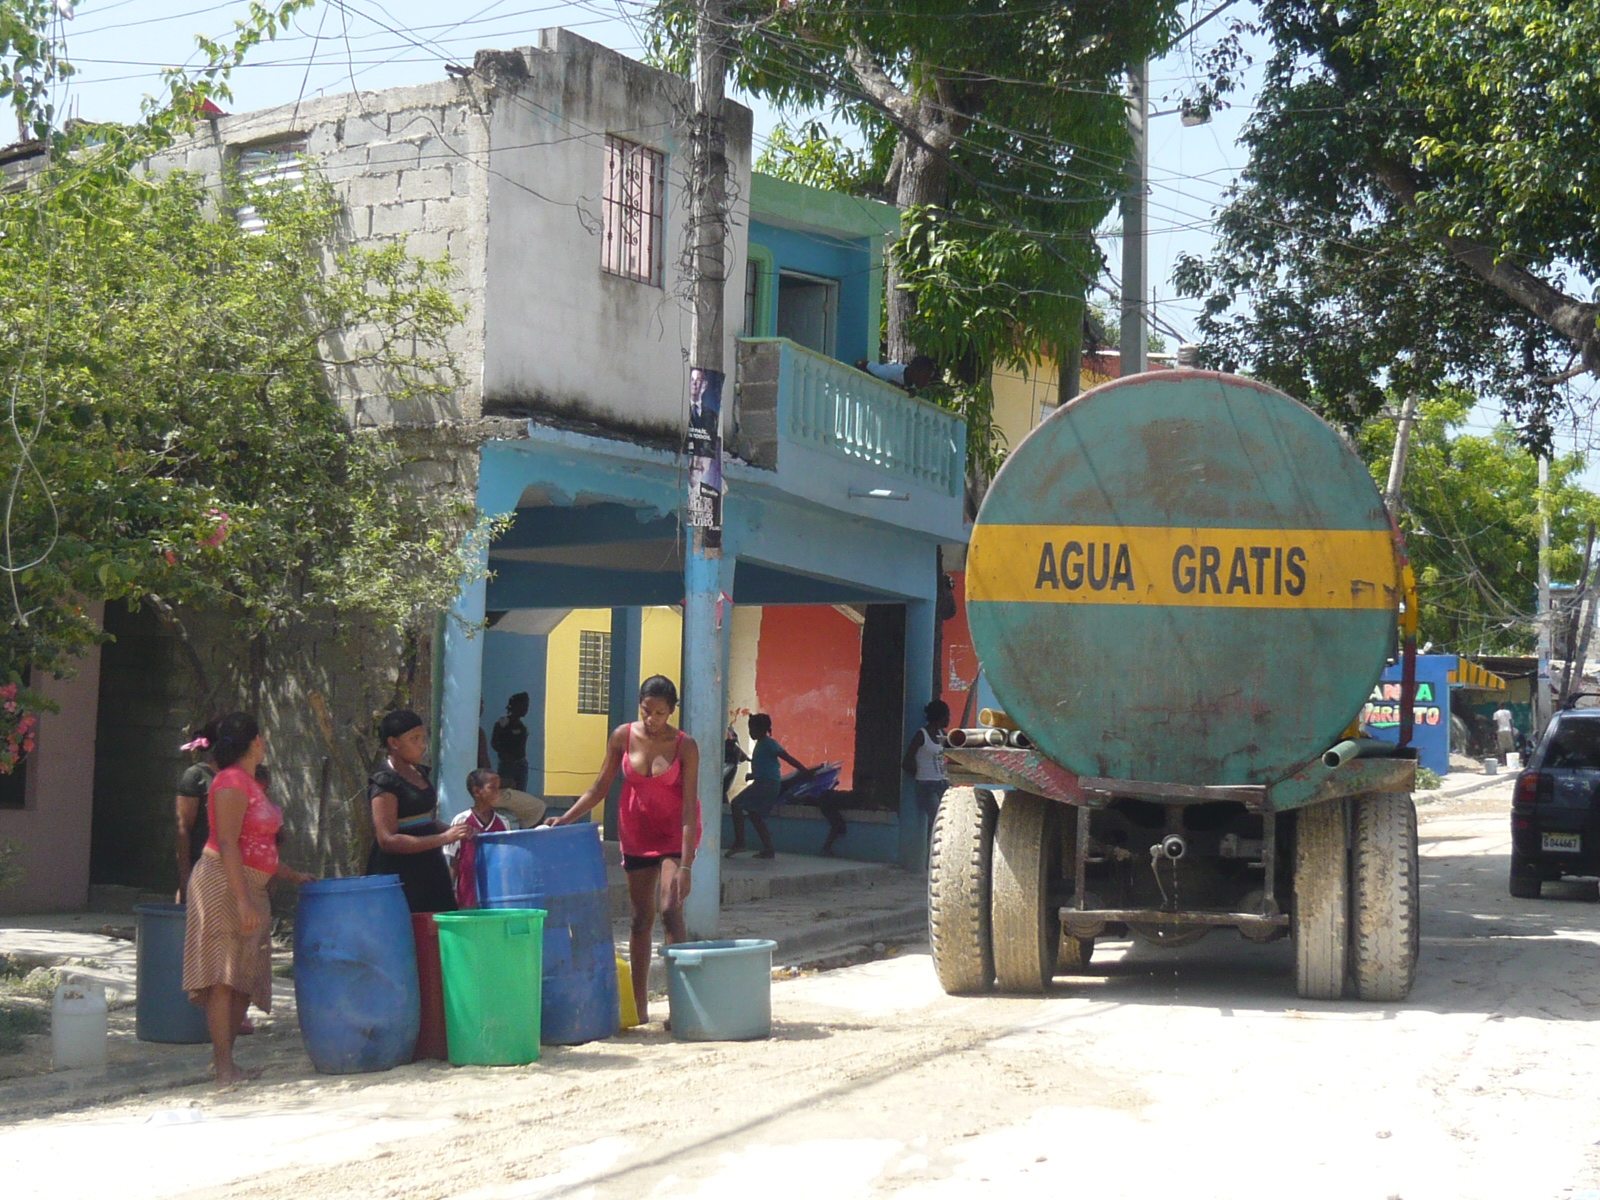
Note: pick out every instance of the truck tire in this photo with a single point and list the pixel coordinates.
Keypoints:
(958, 891)
(1385, 909)
(1526, 882)
(1321, 901)
(1026, 926)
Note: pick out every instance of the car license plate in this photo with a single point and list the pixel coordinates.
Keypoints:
(1572, 843)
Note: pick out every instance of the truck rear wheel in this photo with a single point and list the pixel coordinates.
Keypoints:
(958, 891)
(1384, 901)
(1026, 927)
(1321, 901)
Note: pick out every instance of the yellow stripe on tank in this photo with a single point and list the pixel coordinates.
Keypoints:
(1190, 568)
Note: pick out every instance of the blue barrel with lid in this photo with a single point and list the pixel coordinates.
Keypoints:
(561, 870)
(355, 974)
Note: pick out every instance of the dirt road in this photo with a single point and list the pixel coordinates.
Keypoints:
(1193, 1072)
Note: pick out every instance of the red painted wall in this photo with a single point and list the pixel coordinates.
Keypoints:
(806, 672)
(958, 662)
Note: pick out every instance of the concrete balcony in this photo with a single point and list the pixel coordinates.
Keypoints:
(839, 437)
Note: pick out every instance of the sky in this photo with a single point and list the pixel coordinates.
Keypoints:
(120, 46)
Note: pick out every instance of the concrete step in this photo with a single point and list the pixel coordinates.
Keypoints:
(746, 879)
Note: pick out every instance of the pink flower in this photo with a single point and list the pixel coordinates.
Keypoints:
(27, 746)
(220, 534)
(11, 706)
(9, 691)
(172, 559)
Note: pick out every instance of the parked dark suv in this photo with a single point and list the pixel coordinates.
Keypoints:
(1555, 809)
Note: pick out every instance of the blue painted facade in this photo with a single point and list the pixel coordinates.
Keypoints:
(515, 662)
(1430, 732)
(862, 486)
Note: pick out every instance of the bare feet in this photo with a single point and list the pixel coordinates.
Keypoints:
(767, 854)
(732, 850)
(246, 1027)
(237, 1075)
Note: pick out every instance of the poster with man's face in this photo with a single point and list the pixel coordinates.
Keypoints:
(703, 445)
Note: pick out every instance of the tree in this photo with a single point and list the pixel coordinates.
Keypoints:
(171, 435)
(1470, 513)
(999, 129)
(1418, 195)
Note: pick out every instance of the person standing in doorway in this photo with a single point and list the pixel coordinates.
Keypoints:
(510, 742)
(408, 840)
(658, 821)
(924, 761)
(1505, 732)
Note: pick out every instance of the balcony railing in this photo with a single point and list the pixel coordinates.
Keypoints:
(790, 393)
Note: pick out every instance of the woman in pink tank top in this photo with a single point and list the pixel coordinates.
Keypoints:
(658, 820)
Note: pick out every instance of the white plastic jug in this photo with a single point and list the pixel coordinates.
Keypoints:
(78, 1026)
(1513, 761)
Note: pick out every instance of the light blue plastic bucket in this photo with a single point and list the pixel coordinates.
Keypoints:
(720, 991)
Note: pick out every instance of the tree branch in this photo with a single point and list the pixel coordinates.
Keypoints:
(1573, 319)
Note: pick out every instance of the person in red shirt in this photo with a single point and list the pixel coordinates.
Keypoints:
(658, 821)
(227, 949)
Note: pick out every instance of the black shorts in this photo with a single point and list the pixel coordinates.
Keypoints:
(643, 862)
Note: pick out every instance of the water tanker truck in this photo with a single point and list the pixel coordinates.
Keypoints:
(1182, 588)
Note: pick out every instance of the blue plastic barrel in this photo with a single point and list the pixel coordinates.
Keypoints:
(355, 974)
(162, 1012)
(720, 991)
(563, 871)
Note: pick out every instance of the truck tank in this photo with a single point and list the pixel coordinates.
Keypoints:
(1182, 587)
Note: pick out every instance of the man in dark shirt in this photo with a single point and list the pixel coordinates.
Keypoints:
(510, 742)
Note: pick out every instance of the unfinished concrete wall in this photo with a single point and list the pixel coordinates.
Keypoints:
(407, 163)
(564, 336)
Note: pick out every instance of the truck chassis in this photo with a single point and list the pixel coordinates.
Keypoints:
(1019, 888)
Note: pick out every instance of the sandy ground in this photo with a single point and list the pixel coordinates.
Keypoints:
(1193, 1072)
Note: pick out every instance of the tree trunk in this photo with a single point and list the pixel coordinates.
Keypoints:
(924, 179)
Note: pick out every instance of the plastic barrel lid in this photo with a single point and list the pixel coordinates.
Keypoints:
(1183, 577)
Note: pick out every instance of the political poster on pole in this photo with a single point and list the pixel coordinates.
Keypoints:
(704, 448)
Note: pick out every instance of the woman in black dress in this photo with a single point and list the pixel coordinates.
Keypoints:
(408, 839)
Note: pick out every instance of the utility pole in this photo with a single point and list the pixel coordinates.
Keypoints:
(1135, 341)
(704, 639)
(1541, 695)
(1397, 461)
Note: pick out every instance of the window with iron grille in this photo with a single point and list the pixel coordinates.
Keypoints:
(278, 163)
(634, 202)
(594, 671)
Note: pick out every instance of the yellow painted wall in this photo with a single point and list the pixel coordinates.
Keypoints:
(1023, 399)
(574, 742)
(660, 645)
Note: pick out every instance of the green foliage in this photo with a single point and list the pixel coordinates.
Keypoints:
(169, 433)
(1419, 191)
(1427, 780)
(812, 156)
(1000, 129)
(1471, 520)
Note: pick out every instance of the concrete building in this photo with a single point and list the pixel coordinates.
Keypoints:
(553, 177)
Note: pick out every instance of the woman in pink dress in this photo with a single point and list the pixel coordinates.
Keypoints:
(227, 950)
(658, 821)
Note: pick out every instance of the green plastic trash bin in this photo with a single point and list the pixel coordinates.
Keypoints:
(493, 961)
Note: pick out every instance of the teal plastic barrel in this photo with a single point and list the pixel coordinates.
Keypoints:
(720, 991)
(162, 1012)
(493, 965)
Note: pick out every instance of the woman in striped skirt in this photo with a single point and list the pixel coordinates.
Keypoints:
(227, 951)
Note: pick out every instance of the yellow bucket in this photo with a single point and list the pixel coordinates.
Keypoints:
(630, 1010)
